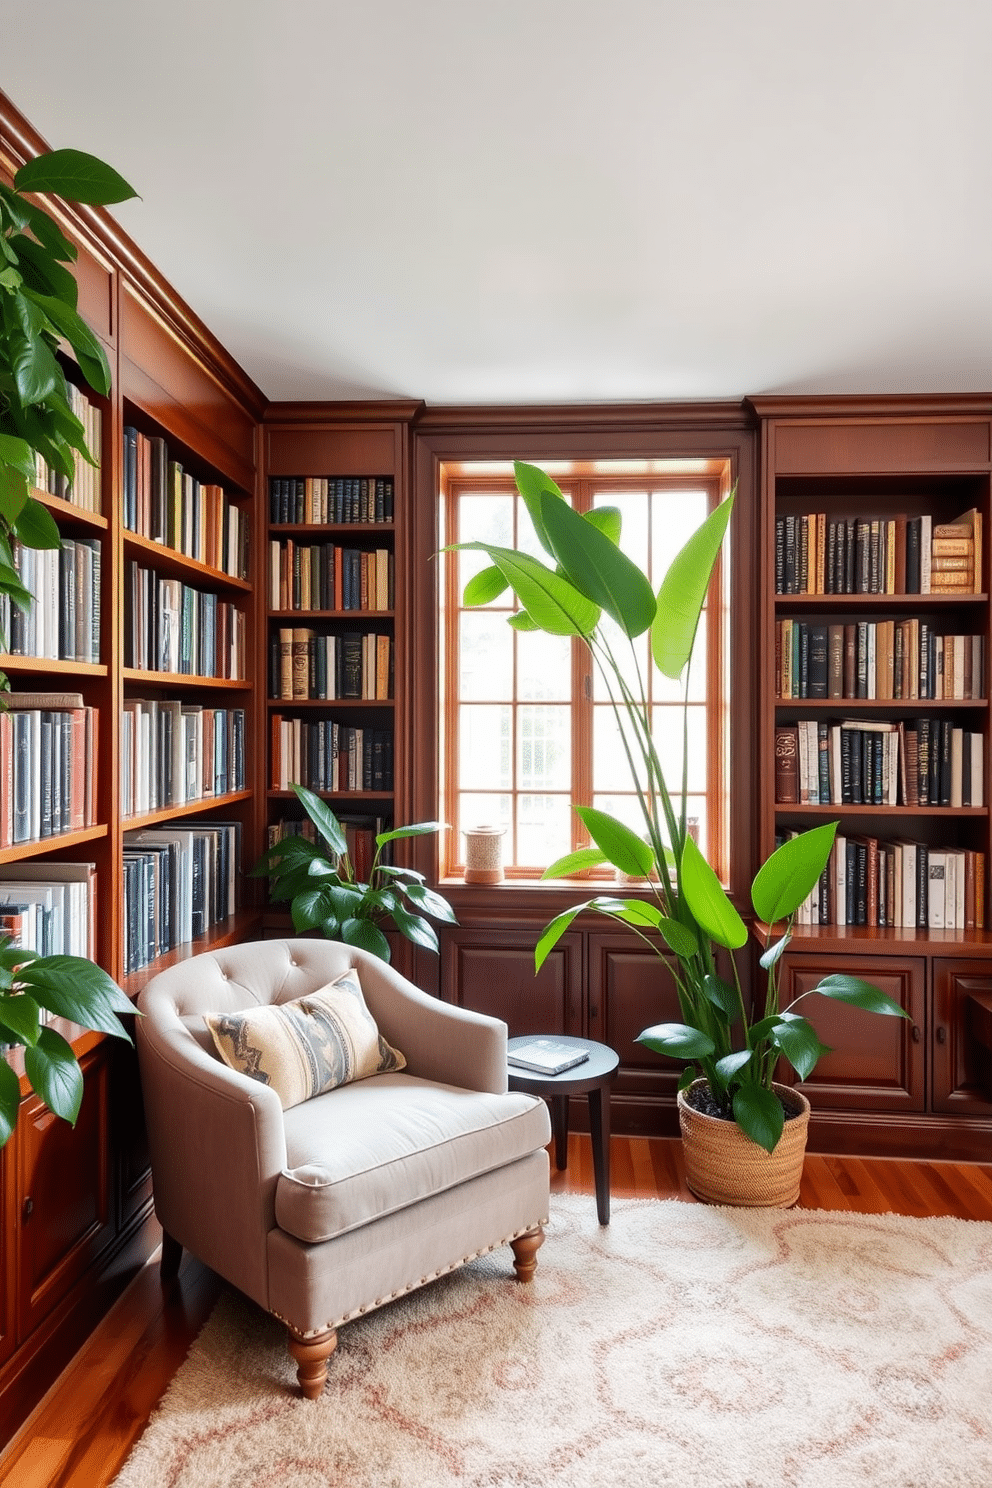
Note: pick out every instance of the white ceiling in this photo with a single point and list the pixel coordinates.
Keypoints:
(546, 200)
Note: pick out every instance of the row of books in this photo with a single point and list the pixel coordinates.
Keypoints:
(325, 576)
(884, 659)
(173, 753)
(352, 664)
(168, 505)
(84, 488)
(319, 499)
(328, 756)
(871, 762)
(178, 881)
(903, 885)
(815, 554)
(63, 621)
(49, 908)
(48, 754)
(360, 835)
(171, 627)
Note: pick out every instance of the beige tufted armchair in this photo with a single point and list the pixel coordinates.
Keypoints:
(337, 1205)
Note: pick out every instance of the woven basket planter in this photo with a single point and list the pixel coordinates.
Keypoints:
(723, 1166)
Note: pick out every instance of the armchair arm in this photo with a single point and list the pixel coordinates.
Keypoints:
(440, 1041)
(217, 1146)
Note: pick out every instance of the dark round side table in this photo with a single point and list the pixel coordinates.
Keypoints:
(593, 1076)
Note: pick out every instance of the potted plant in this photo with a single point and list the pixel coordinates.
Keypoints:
(590, 589)
(37, 315)
(325, 895)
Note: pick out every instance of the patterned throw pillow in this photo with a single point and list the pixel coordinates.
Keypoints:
(303, 1048)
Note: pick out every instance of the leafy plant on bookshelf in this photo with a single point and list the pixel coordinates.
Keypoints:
(325, 893)
(38, 298)
(45, 426)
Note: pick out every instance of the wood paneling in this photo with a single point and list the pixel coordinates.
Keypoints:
(493, 972)
(880, 448)
(177, 389)
(961, 1062)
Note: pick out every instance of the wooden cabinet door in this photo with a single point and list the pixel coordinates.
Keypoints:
(962, 1066)
(630, 989)
(64, 1195)
(492, 971)
(877, 1062)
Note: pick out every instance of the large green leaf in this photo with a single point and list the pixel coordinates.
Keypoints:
(19, 1021)
(17, 453)
(683, 590)
(707, 900)
(89, 352)
(677, 1040)
(323, 819)
(575, 862)
(77, 989)
(799, 1042)
(47, 231)
(722, 995)
(597, 567)
(55, 1074)
(859, 994)
(34, 367)
(485, 586)
(75, 176)
(533, 484)
(758, 1112)
(608, 519)
(628, 852)
(417, 829)
(309, 909)
(416, 928)
(790, 874)
(430, 903)
(555, 929)
(10, 1100)
(36, 527)
(551, 602)
(44, 273)
(367, 937)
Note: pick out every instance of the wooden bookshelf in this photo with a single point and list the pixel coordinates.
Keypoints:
(878, 459)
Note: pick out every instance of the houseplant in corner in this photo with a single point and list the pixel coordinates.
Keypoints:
(38, 296)
(325, 894)
(593, 591)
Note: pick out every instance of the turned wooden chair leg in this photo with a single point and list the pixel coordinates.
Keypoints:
(311, 1355)
(172, 1254)
(525, 1249)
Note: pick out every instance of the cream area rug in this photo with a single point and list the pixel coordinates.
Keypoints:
(684, 1346)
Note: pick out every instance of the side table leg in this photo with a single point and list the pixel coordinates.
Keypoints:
(599, 1127)
(559, 1125)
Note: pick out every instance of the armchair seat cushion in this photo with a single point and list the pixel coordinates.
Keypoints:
(372, 1148)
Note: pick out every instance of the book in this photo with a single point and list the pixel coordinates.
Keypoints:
(545, 1056)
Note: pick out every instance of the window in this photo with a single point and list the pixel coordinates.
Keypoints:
(527, 728)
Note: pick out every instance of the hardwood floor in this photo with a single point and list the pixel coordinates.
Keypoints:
(83, 1430)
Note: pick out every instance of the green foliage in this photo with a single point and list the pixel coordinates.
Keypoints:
(689, 913)
(324, 894)
(38, 317)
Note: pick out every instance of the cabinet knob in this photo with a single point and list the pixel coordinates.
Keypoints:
(27, 1209)
(941, 1035)
(917, 1035)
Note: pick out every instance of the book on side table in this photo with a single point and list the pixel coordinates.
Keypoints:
(545, 1056)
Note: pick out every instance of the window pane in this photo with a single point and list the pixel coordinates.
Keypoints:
(544, 667)
(544, 743)
(668, 743)
(633, 659)
(675, 516)
(633, 508)
(485, 656)
(484, 748)
(487, 519)
(544, 829)
(610, 768)
(480, 810)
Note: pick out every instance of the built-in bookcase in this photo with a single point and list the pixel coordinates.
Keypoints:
(334, 495)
